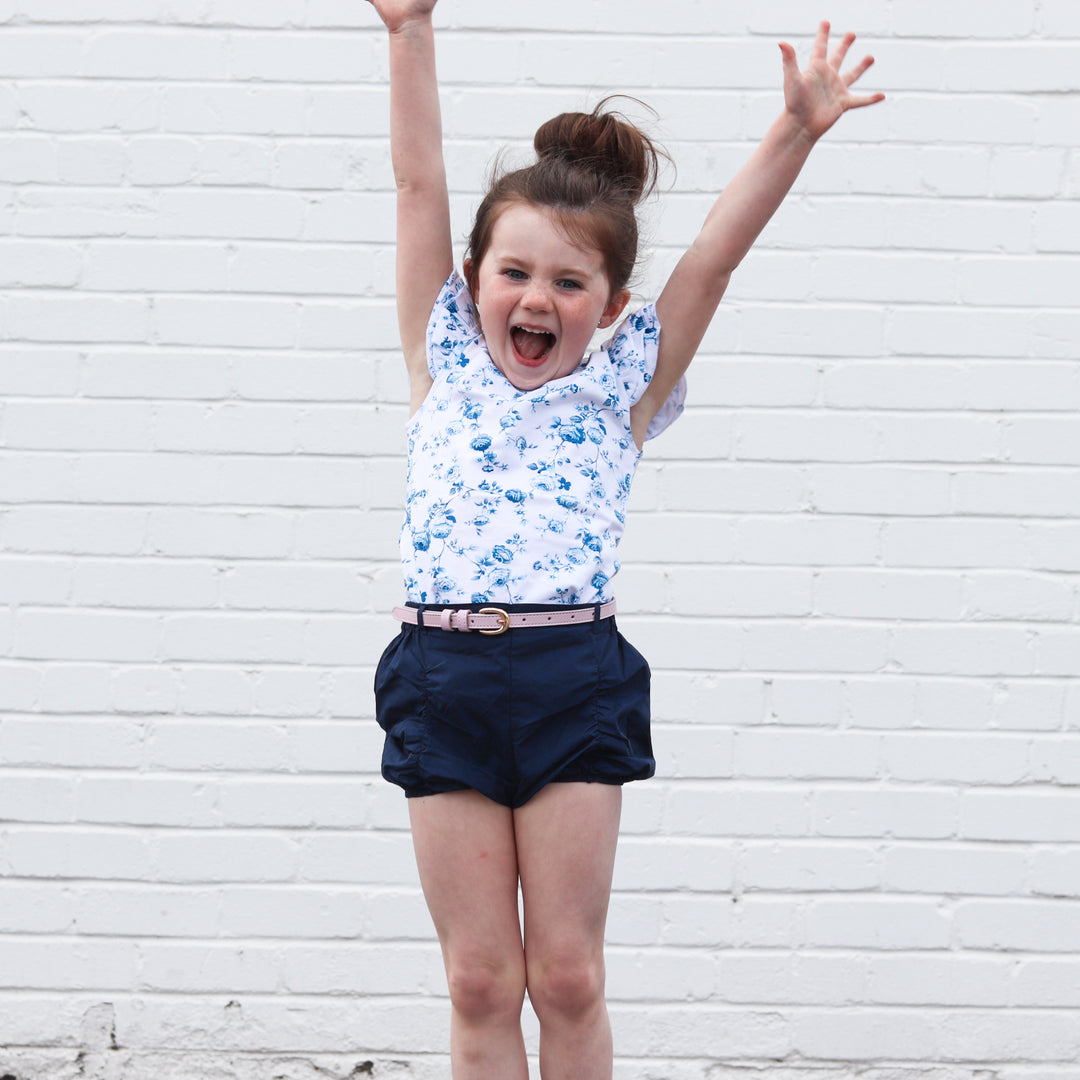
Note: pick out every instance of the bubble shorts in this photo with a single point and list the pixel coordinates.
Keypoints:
(509, 713)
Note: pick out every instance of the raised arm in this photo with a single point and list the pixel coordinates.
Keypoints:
(424, 248)
(814, 100)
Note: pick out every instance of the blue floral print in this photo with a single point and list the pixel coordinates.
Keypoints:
(519, 497)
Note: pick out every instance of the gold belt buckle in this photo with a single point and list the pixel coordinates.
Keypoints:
(504, 620)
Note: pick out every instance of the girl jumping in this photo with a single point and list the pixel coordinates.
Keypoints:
(512, 706)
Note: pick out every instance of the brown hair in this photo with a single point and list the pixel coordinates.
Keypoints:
(592, 170)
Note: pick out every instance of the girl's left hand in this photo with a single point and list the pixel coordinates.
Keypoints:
(820, 95)
(395, 13)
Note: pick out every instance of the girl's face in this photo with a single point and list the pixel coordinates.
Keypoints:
(540, 297)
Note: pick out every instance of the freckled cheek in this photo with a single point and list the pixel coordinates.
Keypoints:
(494, 304)
(584, 318)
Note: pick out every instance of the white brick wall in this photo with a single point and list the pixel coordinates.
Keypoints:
(854, 564)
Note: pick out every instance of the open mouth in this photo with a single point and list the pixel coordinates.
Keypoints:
(532, 346)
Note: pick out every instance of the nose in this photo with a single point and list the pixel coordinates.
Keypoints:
(536, 296)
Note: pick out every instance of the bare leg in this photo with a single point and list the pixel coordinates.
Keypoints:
(566, 837)
(466, 854)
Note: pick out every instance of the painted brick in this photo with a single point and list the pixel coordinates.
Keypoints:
(28, 158)
(926, 541)
(40, 964)
(215, 856)
(810, 867)
(68, 689)
(983, 650)
(132, 54)
(163, 160)
(739, 591)
(1050, 983)
(879, 594)
(955, 870)
(223, 533)
(80, 853)
(92, 106)
(145, 690)
(87, 635)
(232, 637)
(851, 565)
(33, 263)
(934, 757)
(1040, 926)
(127, 911)
(1029, 705)
(806, 539)
(885, 812)
(64, 318)
(775, 645)
(738, 812)
(44, 741)
(923, 18)
(28, 51)
(210, 968)
(1029, 815)
(1034, 70)
(879, 489)
(1056, 872)
(149, 265)
(301, 58)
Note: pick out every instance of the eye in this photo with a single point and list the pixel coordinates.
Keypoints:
(569, 283)
(515, 275)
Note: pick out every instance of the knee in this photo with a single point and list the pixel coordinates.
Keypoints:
(566, 986)
(482, 991)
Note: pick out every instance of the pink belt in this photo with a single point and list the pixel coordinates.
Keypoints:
(493, 620)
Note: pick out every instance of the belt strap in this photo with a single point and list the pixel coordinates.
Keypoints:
(494, 620)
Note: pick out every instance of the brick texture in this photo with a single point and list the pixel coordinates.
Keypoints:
(853, 564)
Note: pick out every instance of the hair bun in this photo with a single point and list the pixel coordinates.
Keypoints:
(602, 142)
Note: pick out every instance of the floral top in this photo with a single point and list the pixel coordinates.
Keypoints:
(519, 496)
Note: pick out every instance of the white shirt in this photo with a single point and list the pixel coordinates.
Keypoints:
(519, 497)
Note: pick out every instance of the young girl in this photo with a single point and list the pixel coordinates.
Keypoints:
(513, 708)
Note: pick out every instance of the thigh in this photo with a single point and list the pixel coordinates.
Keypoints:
(566, 839)
(466, 854)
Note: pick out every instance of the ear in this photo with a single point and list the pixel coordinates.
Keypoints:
(614, 308)
(467, 273)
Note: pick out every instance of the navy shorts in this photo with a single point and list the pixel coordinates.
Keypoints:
(509, 713)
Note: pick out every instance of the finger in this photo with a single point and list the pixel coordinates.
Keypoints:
(860, 100)
(791, 65)
(821, 42)
(858, 70)
(837, 59)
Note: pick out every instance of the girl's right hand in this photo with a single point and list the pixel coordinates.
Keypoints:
(396, 13)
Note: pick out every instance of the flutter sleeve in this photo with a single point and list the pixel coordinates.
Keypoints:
(632, 352)
(452, 327)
